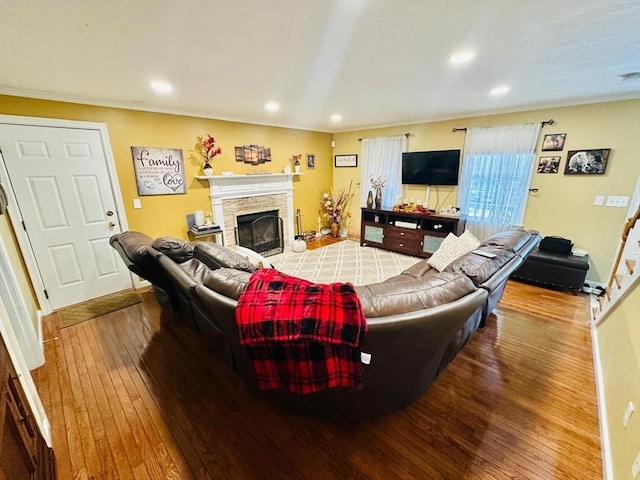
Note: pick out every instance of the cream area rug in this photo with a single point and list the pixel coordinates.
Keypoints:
(345, 261)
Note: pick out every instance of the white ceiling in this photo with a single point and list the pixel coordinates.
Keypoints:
(376, 62)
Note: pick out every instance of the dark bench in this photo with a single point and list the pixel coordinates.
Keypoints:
(554, 269)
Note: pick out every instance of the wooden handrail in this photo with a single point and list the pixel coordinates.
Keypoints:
(625, 234)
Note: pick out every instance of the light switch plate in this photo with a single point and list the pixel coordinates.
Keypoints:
(137, 203)
(599, 200)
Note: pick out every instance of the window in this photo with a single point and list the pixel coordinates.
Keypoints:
(496, 172)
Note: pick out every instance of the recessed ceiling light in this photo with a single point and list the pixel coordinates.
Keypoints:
(162, 87)
(501, 90)
(336, 117)
(461, 57)
(272, 106)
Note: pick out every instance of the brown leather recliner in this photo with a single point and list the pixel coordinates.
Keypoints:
(137, 254)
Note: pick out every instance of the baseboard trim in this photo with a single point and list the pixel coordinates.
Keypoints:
(605, 443)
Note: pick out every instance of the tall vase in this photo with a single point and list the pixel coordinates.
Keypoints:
(335, 230)
(370, 200)
(378, 198)
(207, 170)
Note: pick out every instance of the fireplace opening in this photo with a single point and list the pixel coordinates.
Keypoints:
(261, 232)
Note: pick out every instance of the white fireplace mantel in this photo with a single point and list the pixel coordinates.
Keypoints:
(224, 187)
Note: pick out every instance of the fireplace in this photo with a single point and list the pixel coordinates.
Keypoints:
(234, 195)
(261, 232)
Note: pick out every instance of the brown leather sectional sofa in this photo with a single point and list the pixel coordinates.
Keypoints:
(417, 321)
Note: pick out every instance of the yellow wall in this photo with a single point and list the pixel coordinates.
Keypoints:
(618, 340)
(165, 214)
(564, 204)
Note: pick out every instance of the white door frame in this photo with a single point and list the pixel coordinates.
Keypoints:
(15, 215)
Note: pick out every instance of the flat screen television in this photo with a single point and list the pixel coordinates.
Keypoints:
(431, 168)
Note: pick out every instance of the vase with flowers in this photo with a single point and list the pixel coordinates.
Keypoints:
(208, 149)
(295, 159)
(377, 182)
(334, 208)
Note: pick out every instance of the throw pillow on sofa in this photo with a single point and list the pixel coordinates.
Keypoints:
(469, 239)
(451, 248)
(255, 258)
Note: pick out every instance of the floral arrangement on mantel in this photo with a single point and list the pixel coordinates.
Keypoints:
(208, 149)
(334, 207)
(295, 159)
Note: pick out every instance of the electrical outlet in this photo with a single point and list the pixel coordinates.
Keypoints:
(598, 200)
(627, 414)
(635, 468)
(615, 201)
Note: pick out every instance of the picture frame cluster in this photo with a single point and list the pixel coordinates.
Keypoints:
(578, 162)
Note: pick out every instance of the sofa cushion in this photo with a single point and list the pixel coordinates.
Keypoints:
(480, 268)
(226, 281)
(175, 248)
(195, 269)
(417, 270)
(410, 294)
(135, 246)
(513, 239)
(218, 256)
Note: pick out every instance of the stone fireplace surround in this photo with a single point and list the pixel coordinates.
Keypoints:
(233, 195)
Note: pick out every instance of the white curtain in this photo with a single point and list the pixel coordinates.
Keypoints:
(496, 174)
(382, 156)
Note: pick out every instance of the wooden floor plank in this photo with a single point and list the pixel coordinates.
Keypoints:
(136, 394)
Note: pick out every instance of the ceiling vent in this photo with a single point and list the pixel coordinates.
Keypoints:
(630, 76)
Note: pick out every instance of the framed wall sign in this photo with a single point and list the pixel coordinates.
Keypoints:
(159, 171)
(346, 160)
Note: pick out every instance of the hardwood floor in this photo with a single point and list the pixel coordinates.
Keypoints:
(135, 395)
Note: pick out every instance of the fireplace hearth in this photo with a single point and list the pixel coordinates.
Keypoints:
(261, 232)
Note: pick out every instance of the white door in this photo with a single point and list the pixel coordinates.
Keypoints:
(61, 183)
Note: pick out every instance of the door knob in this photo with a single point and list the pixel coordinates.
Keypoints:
(109, 213)
(112, 224)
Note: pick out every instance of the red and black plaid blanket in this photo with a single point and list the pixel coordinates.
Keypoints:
(301, 336)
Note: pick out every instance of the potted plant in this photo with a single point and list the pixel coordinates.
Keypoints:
(296, 162)
(208, 149)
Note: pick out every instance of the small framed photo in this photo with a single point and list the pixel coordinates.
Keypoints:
(345, 160)
(549, 165)
(311, 160)
(239, 154)
(589, 162)
(553, 142)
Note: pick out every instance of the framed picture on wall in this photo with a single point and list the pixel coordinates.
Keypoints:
(311, 160)
(553, 142)
(549, 165)
(589, 162)
(345, 160)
